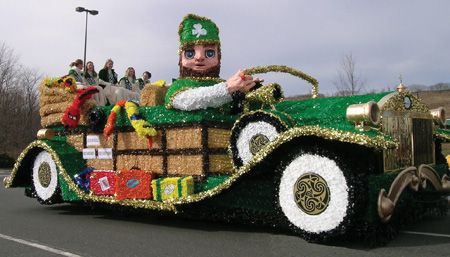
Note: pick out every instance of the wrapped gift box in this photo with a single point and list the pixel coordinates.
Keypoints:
(102, 182)
(174, 187)
(133, 184)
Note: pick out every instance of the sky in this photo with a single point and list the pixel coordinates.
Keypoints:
(385, 38)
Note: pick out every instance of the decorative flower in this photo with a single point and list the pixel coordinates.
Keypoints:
(199, 30)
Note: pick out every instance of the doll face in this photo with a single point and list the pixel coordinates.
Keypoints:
(200, 57)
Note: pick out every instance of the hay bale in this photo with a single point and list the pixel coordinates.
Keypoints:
(182, 138)
(152, 95)
(220, 163)
(218, 138)
(185, 165)
(152, 163)
(100, 164)
(131, 140)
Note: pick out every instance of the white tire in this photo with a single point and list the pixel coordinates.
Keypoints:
(266, 132)
(318, 214)
(45, 176)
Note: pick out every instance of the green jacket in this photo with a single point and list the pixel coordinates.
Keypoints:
(103, 75)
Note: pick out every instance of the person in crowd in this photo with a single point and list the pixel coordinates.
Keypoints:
(76, 71)
(131, 84)
(107, 75)
(108, 80)
(91, 79)
(146, 76)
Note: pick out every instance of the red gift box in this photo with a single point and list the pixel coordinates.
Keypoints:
(133, 184)
(102, 182)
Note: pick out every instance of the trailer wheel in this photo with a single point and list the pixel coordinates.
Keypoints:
(321, 194)
(45, 179)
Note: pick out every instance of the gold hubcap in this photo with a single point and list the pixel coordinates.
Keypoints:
(44, 174)
(312, 194)
(257, 142)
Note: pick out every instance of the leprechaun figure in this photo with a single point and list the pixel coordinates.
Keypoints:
(199, 85)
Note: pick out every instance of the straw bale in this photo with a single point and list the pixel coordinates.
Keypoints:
(185, 164)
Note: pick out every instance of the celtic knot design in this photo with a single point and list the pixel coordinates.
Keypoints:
(312, 194)
(257, 142)
(44, 174)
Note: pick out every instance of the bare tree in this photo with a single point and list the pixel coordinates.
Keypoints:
(19, 106)
(349, 82)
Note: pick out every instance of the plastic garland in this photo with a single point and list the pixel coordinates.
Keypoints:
(67, 83)
(141, 126)
(72, 114)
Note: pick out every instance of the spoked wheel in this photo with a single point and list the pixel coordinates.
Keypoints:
(45, 179)
(319, 194)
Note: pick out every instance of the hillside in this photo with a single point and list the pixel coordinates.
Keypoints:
(435, 99)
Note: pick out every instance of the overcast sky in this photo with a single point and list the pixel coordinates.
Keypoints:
(386, 38)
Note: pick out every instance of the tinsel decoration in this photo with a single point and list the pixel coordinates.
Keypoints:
(286, 69)
(67, 83)
(335, 210)
(72, 114)
(250, 126)
(45, 177)
(82, 179)
(133, 184)
(141, 126)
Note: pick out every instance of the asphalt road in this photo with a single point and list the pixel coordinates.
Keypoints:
(30, 229)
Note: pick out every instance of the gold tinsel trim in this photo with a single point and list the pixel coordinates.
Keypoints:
(169, 105)
(394, 102)
(377, 142)
(149, 204)
(286, 69)
(218, 80)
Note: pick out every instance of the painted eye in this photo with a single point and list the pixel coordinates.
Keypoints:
(189, 53)
(210, 53)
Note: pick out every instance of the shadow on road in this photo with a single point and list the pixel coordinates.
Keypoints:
(168, 219)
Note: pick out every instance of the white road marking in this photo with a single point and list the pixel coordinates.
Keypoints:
(36, 245)
(426, 234)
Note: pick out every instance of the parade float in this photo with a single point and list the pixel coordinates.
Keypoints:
(324, 168)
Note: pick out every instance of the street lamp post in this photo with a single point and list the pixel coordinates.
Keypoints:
(93, 12)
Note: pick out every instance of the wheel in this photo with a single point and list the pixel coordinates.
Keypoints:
(319, 195)
(45, 179)
(251, 134)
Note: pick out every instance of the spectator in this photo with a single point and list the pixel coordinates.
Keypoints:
(76, 71)
(107, 75)
(146, 76)
(92, 80)
(131, 84)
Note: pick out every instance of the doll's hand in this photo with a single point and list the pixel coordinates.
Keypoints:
(240, 82)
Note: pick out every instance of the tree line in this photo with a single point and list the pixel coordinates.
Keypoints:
(19, 103)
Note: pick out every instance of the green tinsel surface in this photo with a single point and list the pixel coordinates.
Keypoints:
(327, 112)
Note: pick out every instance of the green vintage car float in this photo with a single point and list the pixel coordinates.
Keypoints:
(324, 168)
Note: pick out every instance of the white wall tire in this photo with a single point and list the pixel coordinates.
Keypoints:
(45, 178)
(251, 134)
(332, 216)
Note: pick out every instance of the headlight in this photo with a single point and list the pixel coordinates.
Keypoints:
(364, 114)
(438, 115)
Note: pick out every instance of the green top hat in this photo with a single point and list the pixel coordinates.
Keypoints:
(198, 30)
